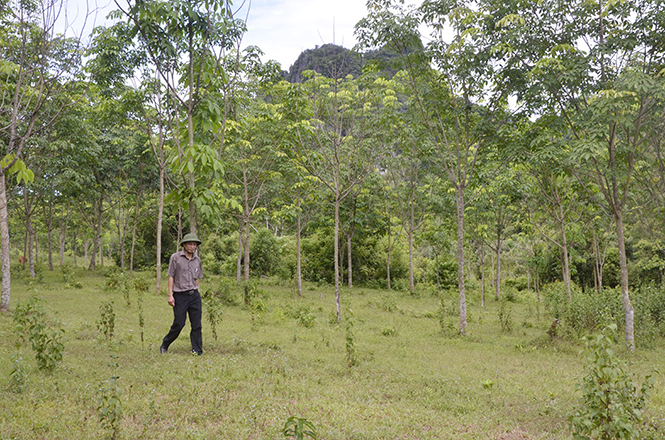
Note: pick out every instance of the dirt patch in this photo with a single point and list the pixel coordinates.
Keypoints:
(515, 434)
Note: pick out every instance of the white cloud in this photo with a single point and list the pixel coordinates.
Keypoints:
(282, 29)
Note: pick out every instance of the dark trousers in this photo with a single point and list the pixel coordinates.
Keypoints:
(186, 304)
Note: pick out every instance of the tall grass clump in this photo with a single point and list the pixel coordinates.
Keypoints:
(586, 311)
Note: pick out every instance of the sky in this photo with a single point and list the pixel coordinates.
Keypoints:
(281, 28)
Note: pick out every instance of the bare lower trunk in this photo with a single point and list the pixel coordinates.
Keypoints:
(50, 248)
(412, 284)
(160, 217)
(86, 245)
(298, 258)
(4, 245)
(625, 298)
(497, 279)
(349, 260)
(239, 259)
(31, 245)
(63, 238)
(566, 261)
(460, 259)
(438, 278)
(98, 234)
(336, 257)
(388, 256)
(482, 275)
(246, 262)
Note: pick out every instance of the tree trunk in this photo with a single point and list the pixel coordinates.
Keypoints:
(246, 262)
(459, 192)
(48, 220)
(482, 274)
(86, 246)
(63, 237)
(412, 284)
(629, 313)
(31, 245)
(349, 259)
(160, 217)
(388, 254)
(438, 278)
(298, 255)
(98, 234)
(336, 257)
(239, 259)
(4, 245)
(497, 279)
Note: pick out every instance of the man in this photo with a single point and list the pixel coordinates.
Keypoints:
(185, 270)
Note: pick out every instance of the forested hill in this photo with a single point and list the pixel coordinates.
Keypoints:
(333, 61)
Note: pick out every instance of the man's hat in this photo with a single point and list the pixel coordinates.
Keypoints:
(190, 237)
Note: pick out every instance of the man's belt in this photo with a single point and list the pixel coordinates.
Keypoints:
(186, 292)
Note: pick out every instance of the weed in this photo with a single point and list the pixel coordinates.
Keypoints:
(109, 404)
(349, 324)
(18, 375)
(388, 303)
(299, 428)
(106, 323)
(139, 302)
(505, 317)
(214, 311)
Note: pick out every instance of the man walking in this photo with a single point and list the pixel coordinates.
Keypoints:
(185, 270)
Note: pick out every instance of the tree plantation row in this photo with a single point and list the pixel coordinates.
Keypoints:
(514, 143)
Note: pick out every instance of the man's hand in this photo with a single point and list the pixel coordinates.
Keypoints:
(171, 300)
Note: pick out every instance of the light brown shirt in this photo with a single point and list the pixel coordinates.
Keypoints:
(184, 271)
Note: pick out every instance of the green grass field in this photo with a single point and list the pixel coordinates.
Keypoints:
(412, 380)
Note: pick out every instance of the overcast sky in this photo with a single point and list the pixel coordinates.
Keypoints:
(281, 28)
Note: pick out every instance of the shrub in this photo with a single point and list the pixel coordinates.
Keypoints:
(302, 314)
(519, 283)
(47, 339)
(227, 292)
(611, 406)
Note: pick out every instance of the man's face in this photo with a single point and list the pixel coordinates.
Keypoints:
(190, 247)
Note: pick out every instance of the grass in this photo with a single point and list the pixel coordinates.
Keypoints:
(412, 380)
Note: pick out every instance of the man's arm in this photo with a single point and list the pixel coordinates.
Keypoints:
(171, 298)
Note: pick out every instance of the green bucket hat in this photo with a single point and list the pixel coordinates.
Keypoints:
(190, 237)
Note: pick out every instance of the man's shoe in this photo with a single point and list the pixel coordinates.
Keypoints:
(199, 353)
(163, 349)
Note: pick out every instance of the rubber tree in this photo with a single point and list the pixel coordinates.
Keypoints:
(38, 70)
(334, 137)
(596, 66)
(194, 48)
(450, 83)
